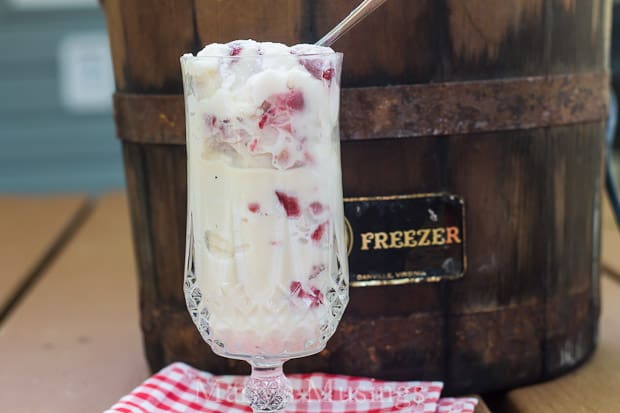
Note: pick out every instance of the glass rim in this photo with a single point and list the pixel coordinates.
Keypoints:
(188, 56)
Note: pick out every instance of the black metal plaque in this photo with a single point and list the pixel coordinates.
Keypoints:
(405, 238)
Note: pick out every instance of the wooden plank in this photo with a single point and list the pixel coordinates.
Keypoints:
(591, 388)
(30, 227)
(74, 343)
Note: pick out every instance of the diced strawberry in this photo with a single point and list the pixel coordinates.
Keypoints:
(318, 233)
(316, 208)
(253, 144)
(295, 288)
(289, 203)
(211, 120)
(314, 296)
(262, 121)
(277, 109)
(254, 207)
(235, 50)
(328, 74)
(316, 68)
(308, 158)
(295, 100)
(317, 297)
(313, 66)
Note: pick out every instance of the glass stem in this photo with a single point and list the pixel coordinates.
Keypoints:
(267, 389)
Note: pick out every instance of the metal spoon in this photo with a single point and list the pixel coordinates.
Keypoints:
(357, 15)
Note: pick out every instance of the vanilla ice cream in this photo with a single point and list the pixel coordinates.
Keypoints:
(267, 266)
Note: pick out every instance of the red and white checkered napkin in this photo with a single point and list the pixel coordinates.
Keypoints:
(180, 388)
(461, 405)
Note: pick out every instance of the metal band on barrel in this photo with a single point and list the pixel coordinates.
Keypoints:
(404, 111)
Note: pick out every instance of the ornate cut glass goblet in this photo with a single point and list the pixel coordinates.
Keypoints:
(266, 276)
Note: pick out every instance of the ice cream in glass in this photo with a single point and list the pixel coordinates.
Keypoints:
(266, 276)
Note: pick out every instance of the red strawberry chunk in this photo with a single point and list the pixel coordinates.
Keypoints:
(211, 120)
(289, 203)
(295, 288)
(316, 208)
(278, 108)
(263, 121)
(316, 68)
(317, 297)
(295, 100)
(254, 207)
(328, 74)
(253, 144)
(235, 50)
(313, 66)
(314, 297)
(318, 233)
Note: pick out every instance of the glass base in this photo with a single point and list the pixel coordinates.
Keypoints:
(267, 389)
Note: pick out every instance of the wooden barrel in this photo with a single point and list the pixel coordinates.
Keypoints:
(501, 104)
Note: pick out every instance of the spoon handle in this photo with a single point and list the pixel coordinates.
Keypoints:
(359, 13)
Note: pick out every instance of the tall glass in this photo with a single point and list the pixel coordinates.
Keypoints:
(266, 276)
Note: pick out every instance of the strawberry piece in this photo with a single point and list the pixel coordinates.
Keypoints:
(314, 297)
(263, 121)
(235, 49)
(254, 207)
(210, 120)
(316, 208)
(295, 100)
(253, 144)
(315, 68)
(295, 288)
(289, 203)
(328, 74)
(277, 109)
(317, 297)
(318, 233)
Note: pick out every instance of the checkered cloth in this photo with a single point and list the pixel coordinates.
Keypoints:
(180, 388)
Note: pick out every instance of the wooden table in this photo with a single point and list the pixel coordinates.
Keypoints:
(70, 338)
(73, 342)
(32, 230)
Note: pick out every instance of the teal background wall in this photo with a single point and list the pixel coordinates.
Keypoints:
(45, 146)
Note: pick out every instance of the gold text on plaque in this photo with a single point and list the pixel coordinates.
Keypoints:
(411, 238)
